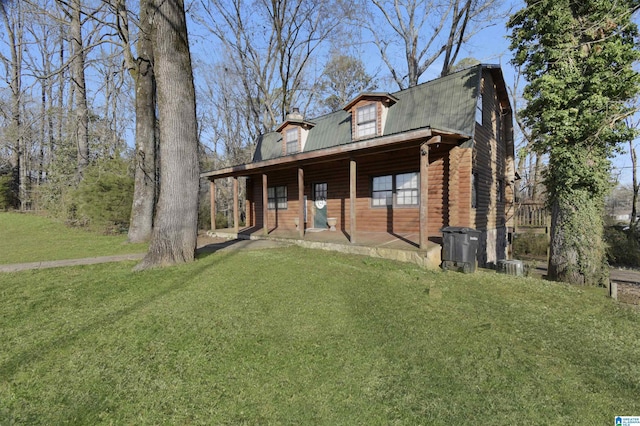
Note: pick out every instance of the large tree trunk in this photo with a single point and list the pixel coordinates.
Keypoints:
(145, 188)
(173, 239)
(577, 251)
(633, 222)
(13, 26)
(80, 89)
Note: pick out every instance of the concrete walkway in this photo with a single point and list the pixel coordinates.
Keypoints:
(205, 245)
(17, 267)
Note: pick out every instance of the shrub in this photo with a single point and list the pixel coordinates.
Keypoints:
(623, 248)
(105, 195)
(8, 190)
(530, 245)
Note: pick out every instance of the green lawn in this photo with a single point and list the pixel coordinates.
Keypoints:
(31, 238)
(296, 336)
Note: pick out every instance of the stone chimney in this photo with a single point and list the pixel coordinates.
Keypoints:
(295, 114)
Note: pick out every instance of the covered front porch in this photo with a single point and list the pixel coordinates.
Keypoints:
(403, 247)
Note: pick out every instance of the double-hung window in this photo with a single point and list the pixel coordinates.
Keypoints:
(292, 141)
(366, 119)
(400, 190)
(407, 189)
(382, 194)
(277, 198)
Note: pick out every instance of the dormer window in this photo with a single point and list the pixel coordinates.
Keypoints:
(369, 113)
(292, 141)
(367, 120)
(294, 132)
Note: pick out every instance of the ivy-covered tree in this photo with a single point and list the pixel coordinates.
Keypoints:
(577, 56)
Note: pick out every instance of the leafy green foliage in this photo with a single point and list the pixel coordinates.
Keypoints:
(55, 195)
(582, 256)
(8, 190)
(623, 247)
(530, 245)
(578, 58)
(105, 194)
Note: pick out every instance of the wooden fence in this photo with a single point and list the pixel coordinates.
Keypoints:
(532, 217)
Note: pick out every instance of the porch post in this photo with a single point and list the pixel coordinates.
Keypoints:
(301, 203)
(265, 206)
(424, 195)
(212, 198)
(352, 200)
(236, 212)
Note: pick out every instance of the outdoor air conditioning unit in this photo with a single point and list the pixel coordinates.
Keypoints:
(511, 267)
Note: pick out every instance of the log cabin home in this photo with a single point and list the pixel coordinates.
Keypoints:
(407, 163)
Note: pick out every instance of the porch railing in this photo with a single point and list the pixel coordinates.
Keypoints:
(533, 217)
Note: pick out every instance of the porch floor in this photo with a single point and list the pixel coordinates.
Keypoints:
(397, 246)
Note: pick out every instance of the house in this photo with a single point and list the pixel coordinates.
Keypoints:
(412, 162)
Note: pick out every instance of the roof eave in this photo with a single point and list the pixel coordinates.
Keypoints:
(327, 153)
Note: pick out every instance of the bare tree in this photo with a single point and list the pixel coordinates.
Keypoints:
(270, 44)
(13, 19)
(73, 12)
(343, 78)
(426, 30)
(173, 239)
(140, 67)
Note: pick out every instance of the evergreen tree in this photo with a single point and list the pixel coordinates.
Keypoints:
(577, 56)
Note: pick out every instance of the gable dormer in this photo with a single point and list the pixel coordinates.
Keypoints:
(369, 114)
(294, 131)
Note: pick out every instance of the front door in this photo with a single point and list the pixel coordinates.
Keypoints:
(320, 202)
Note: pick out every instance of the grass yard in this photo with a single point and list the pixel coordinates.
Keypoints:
(296, 336)
(31, 238)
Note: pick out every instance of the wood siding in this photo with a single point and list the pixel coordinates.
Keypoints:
(368, 218)
(491, 156)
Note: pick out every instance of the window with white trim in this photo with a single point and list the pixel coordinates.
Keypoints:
(479, 109)
(382, 191)
(407, 189)
(366, 117)
(292, 141)
(277, 198)
(401, 190)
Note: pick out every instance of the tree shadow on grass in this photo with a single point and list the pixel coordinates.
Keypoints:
(41, 350)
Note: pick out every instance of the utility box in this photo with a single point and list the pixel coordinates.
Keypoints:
(459, 248)
(511, 267)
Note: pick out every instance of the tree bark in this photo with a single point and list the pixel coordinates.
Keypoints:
(633, 222)
(577, 248)
(174, 235)
(80, 88)
(13, 26)
(146, 183)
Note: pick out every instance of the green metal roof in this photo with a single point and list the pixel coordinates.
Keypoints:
(446, 104)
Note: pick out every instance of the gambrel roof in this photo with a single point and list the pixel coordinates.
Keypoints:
(445, 104)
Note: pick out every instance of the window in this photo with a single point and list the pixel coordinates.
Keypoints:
(500, 191)
(382, 191)
(292, 141)
(277, 198)
(366, 119)
(479, 109)
(405, 187)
